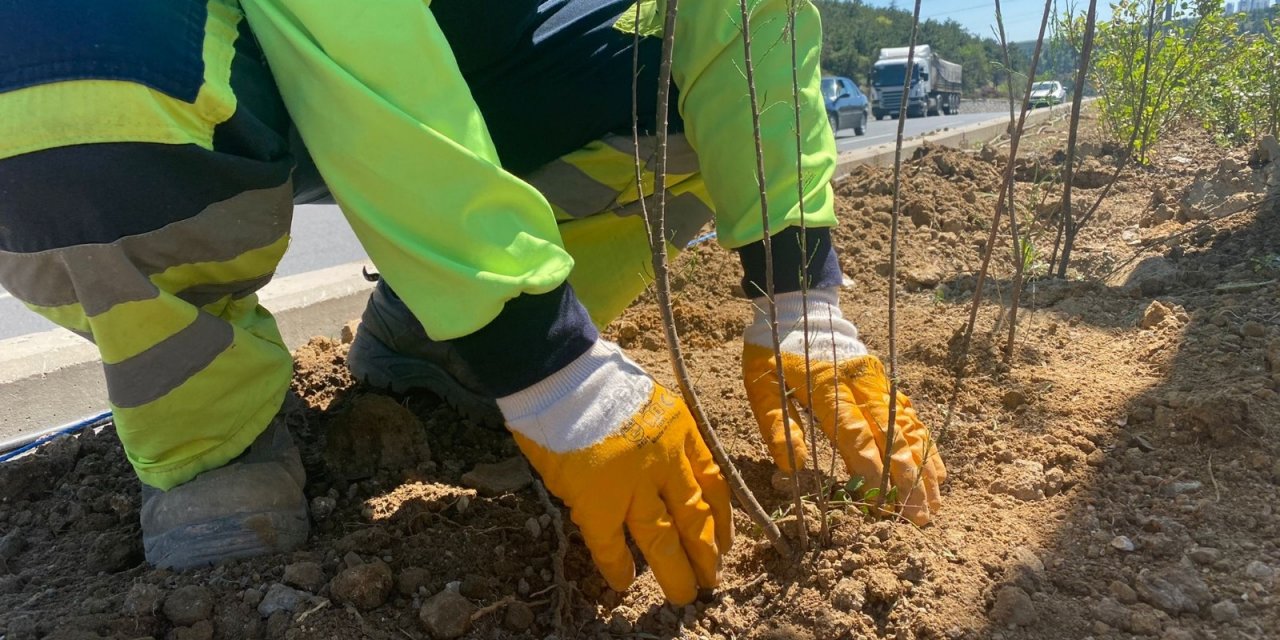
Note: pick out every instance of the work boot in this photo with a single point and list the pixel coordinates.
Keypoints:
(252, 506)
(392, 352)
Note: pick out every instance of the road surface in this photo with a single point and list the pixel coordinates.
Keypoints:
(322, 239)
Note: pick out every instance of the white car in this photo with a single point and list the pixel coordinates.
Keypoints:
(1047, 94)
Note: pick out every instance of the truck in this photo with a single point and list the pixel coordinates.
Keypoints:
(935, 83)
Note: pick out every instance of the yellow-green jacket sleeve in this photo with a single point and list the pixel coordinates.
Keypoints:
(378, 98)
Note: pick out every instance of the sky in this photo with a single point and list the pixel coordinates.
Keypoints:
(1021, 17)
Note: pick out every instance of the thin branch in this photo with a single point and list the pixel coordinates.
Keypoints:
(890, 435)
(1014, 140)
(824, 533)
(749, 68)
(662, 283)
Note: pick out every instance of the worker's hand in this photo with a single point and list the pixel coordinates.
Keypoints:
(619, 449)
(850, 400)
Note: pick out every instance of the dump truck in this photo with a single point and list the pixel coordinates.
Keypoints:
(935, 83)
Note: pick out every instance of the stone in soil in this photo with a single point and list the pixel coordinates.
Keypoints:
(281, 598)
(446, 615)
(188, 605)
(322, 507)
(1225, 611)
(143, 599)
(1260, 571)
(1013, 607)
(12, 544)
(307, 576)
(518, 617)
(1173, 591)
(364, 586)
(1022, 479)
(509, 475)
(1123, 592)
(1112, 613)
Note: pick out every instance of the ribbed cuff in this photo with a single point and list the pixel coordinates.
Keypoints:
(582, 403)
(788, 259)
(830, 334)
(533, 337)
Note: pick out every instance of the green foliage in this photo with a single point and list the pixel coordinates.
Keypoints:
(1242, 99)
(1154, 72)
(854, 33)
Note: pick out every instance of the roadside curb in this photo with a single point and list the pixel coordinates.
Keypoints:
(882, 155)
(55, 377)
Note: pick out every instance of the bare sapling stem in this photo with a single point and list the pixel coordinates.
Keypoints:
(891, 427)
(804, 273)
(1014, 138)
(1019, 256)
(1073, 131)
(662, 283)
(770, 300)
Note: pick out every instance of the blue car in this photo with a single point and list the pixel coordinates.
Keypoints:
(846, 105)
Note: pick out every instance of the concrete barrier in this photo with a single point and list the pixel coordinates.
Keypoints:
(960, 137)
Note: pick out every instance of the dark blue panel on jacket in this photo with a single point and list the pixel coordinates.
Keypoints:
(157, 43)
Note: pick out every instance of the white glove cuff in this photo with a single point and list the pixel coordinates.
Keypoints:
(828, 329)
(581, 404)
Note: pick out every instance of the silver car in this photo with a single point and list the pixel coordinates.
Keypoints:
(1046, 94)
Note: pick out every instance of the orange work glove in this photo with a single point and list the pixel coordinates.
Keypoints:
(850, 400)
(619, 449)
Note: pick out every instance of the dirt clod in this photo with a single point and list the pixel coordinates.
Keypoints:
(377, 434)
(509, 475)
(1013, 607)
(188, 605)
(365, 586)
(307, 576)
(1022, 479)
(518, 616)
(446, 615)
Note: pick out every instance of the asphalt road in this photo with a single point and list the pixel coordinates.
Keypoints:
(882, 131)
(321, 237)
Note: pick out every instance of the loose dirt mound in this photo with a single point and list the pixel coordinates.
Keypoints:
(1119, 480)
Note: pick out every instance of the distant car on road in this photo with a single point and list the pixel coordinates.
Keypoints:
(846, 105)
(1046, 94)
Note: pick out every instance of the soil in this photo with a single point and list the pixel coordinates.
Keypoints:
(1117, 478)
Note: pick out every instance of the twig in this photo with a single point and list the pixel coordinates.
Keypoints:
(1217, 493)
(1018, 259)
(306, 614)
(824, 534)
(662, 283)
(484, 611)
(1014, 139)
(749, 67)
(1077, 100)
(890, 428)
(563, 592)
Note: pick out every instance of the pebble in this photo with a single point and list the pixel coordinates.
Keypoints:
(535, 529)
(519, 616)
(1112, 613)
(322, 507)
(507, 476)
(1225, 611)
(1054, 480)
(1204, 555)
(143, 599)
(1177, 488)
(1122, 543)
(307, 576)
(1013, 607)
(280, 598)
(1253, 329)
(188, 605)
(251, 597)
(1173, 591)
(446, 615)
(364, 586)
(1123, 593)
(1260, 571)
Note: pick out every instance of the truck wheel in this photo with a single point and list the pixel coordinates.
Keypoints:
(834, 122)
